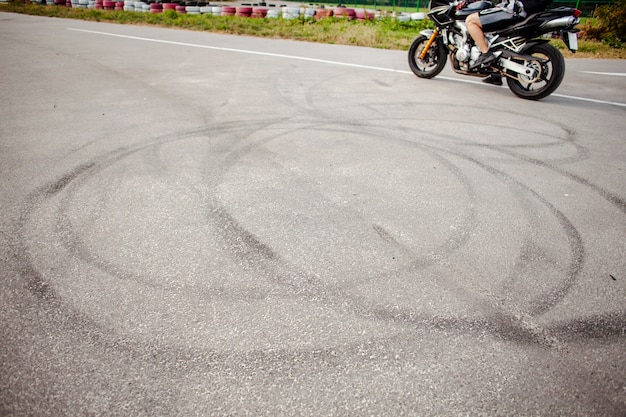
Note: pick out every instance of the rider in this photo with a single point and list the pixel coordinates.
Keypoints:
(489, 20)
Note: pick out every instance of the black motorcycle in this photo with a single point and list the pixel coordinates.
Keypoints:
(531, 66)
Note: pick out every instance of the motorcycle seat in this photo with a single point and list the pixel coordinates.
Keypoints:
(528, 20)
(473, 8)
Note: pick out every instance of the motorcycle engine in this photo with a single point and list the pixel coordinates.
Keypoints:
(462, 53)
(474, 54)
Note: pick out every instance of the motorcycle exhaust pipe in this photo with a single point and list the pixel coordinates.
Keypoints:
(560, 23)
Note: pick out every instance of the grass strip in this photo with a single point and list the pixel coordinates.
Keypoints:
(383, 33)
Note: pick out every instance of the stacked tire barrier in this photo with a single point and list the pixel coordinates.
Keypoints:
(194, 8)
(259, 12)
(290, 12)
(228, 11)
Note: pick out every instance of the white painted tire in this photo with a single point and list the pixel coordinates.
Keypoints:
(293, 11)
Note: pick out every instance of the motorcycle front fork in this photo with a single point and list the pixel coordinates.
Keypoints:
(429, 43)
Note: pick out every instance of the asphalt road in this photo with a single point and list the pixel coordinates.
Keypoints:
(196, 224)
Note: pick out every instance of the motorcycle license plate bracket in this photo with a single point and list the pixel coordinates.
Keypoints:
(570, 38)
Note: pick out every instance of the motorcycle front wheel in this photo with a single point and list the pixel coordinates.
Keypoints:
(433, 62)
(551, 69)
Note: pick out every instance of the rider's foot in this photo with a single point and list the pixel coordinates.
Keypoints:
(484, 58)
(495, 79)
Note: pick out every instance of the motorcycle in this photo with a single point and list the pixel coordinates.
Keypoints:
(533, 68)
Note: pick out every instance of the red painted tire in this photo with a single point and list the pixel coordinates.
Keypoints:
(181, 9)
(345, 13)
(169, 6)
(259, 12)
(363, 15)
(323, 13)
(243, 11)
(228, 11)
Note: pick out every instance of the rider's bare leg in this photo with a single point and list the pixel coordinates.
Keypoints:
(475, 29)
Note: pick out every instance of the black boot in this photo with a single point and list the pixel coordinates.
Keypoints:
(484, 59)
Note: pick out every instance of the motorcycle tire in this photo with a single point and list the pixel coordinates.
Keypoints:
(551, 73)
(433, 62)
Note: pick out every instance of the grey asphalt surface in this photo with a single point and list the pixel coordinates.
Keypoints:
(197, 224)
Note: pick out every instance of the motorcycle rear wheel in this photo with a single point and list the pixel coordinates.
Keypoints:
(551, 66)
(433, 62)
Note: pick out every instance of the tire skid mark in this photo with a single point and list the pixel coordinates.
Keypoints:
(33, 279)
(246, 245)
(452, 244)
(385, 235)
(531, 331)
(177, 359)
(309, 105)
(310, 287)
(544, 303)
(582, 153)
(597, 327)
(313, 288)
(461, 234)
(115, 270)
(612, 198)
(57, 186)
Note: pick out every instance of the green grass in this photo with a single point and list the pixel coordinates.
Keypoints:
(384, 33)
(591, 50)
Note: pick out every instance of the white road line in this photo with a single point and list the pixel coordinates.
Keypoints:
(244, 51)
(615, 74)
(591, 100)
(302, 58)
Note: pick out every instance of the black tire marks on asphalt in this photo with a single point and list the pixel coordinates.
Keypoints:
(251, 248)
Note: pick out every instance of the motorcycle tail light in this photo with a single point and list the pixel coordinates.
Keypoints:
(577, 12)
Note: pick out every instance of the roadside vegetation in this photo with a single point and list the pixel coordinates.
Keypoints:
(599, 37)
(609, 25)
